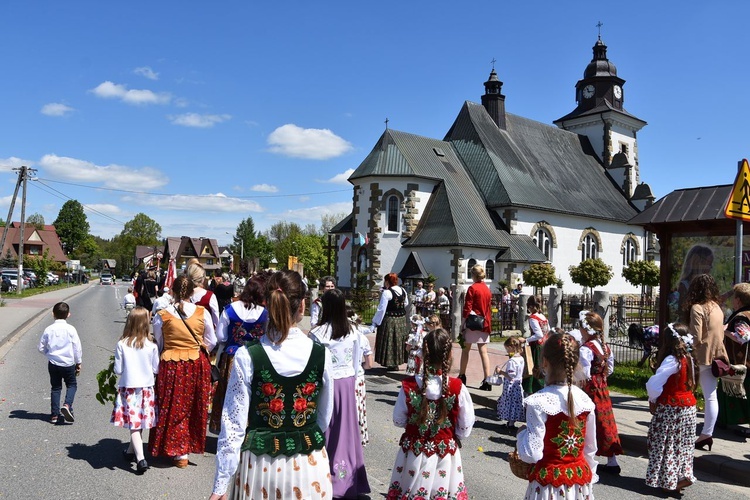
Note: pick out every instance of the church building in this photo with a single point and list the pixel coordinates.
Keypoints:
(503, 191)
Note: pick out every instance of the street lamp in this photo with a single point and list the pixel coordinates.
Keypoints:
(242, 249)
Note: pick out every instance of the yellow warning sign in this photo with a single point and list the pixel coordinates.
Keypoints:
(738, 205)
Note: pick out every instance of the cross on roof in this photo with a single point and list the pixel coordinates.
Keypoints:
(386, 123)
(599, 25)
(493, 63)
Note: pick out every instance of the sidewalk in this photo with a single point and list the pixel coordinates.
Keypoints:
(729, 460)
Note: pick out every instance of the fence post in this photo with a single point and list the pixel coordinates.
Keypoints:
(554, 308)
(601, 306)
(523, 316)
(457, 307)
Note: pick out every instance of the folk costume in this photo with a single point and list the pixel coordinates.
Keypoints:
(393, 327)
(597, 363)
(539, 327)
(732, 408)
(278, 405)
(510, 402)
(135, 403)
(360, 388)
(671, 434)
(564, 467)
(183, 387)
(428, 465)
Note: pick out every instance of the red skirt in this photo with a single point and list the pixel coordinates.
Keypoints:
(183, 391)
(607, 438)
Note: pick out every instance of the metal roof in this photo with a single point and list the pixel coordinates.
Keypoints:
(604, 107)
(703, 204)
(346, 225)
(413, 267)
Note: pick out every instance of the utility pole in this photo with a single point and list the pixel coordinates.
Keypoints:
(10, 210)
(24, 176)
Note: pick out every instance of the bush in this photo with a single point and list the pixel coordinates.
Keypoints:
(540, 275)
(591, 273)
(642, 273)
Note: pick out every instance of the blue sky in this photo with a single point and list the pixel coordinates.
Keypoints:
(204, 113)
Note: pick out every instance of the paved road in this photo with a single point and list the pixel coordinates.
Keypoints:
(83, 460)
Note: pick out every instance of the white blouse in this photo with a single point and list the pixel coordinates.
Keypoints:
(245, 314)
(288, 359)
(551, 400)
(209, 335)
(536, 329)
(465, 420)
(213, 304)
(136, 367)
(346, 352)
(655, 384)
(514, 368)
(587, 356)
(385, 297)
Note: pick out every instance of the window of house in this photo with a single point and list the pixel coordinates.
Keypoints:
(489, 270)
(35, 250)
(469, 265)
(589, 248)
(393, 214)
(209, 262)
(544, 242)
(362, 260)
(629, 252)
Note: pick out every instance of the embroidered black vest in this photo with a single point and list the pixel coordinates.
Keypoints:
(395, 306)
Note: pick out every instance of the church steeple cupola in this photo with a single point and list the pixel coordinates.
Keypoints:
(600, 65)
(493, 100)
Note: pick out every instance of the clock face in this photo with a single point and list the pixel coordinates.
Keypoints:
(588, 91)
(618, 92)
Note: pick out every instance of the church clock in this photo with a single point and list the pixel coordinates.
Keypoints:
(618, 92)
(588, 91)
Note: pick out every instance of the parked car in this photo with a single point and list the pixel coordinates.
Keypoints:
(52, 278)
(12, 275)
(106, 279)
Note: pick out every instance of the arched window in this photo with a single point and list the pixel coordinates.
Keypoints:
(489, 270)
(362, 260)
(629, 252)
(543, 242)
(589, 248)
(469, 265)
(393, 214)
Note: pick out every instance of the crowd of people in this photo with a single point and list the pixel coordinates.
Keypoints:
(289, 404)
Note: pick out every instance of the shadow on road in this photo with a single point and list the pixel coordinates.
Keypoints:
(106, 454)
(28, 415)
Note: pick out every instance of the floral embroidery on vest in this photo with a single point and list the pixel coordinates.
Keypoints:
(569, 440)
(272, 395)
(305, 396)
(431, 423)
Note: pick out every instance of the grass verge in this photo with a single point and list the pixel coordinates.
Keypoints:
(28, 292)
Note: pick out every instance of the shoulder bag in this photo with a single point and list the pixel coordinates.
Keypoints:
(214, 369)
(475, 322)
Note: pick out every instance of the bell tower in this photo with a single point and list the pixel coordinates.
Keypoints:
(493, 100)
(601, 116)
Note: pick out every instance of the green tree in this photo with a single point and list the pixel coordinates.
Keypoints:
(8, 260)
(288, 238)
(37, 219)
(642, 273)
(591, 273)
(361, 295)
(328, 221)
(142, 230)
(244, 242)
(41, 265)
(540, 275)
(72, 226)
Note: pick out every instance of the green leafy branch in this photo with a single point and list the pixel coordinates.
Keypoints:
(107, 383)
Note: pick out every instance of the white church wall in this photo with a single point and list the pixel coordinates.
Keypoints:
(343, 261)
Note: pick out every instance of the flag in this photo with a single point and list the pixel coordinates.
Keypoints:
(171, 273)
(345, 242)
(360, 240)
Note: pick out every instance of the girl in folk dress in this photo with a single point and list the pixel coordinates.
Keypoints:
(414, 344)
(597, 363)
(277, 407)
(436, 412)
(510, 402)
(671, 434)
(136, 362)
(360, 389)
(539, 327)
(559, 438)
(343, 444)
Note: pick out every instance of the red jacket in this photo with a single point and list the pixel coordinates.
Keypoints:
(479, 300)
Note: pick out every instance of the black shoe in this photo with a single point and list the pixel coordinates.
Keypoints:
(609, 469)
(485, 386)
(141, 466)
(129, 457)
(67, 414)
(462, 378)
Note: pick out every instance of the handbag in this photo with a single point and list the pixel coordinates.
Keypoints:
(528, 361)
(215, 375)
(720, 368)
(733, 383)
(475, 322)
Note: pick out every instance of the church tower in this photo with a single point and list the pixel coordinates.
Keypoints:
(493, 100)
(601, 117)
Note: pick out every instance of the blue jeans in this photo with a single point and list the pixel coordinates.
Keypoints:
(56, 376)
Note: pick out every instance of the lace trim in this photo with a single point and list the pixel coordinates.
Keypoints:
(553, 403)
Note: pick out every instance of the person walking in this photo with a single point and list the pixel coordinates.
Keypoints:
(478, 302)
(436, 413)
(671, 433)
(561, 468)
(201, 296)
(539, 330)
(136, 363)
(278, 405)
(392, 324)
(62, 346)
(329, 283)
(706, 324)
(185, 334)
(598, 363)
(510, 402)
(733, 407)
(343, 442)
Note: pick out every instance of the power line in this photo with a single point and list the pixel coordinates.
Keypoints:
(65, 196)
(197, 195)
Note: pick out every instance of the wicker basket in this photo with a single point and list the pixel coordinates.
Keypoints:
(518, 467)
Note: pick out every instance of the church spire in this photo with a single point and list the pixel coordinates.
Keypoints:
(493, 100)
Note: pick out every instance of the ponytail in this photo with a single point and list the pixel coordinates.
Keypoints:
(285, 292)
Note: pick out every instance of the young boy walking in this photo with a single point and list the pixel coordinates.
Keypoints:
(61, 345)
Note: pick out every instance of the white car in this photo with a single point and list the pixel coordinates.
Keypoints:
(106, 279)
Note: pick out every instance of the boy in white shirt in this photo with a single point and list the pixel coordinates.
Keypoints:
(61, 345)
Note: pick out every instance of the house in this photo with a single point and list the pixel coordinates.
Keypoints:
(36, 242)
(503, 191)
(184, 248)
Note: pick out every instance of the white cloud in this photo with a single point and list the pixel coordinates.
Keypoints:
(341, 178)
(307, 143)
(110, 90)
(56, 109)
(218, 202)
(113, 176)
(311, 215)
(146, 72)
(105, 208)
(8, 164)
(303, 199)
(198, 120)
(265, 188)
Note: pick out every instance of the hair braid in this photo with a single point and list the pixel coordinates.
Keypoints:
(570, 362)
(426, 358)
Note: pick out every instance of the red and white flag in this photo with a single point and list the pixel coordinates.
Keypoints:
(345, 242)
(171, 273)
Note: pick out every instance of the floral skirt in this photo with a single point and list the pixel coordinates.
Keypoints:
(135, 408)
(510, 403)
(298, 476)
(671, 446)
(390, 341)
(607, 437)
(183, 390)
(536, 491)
(425, 477)
(361, 394)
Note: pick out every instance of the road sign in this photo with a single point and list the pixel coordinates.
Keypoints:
(738, 204)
